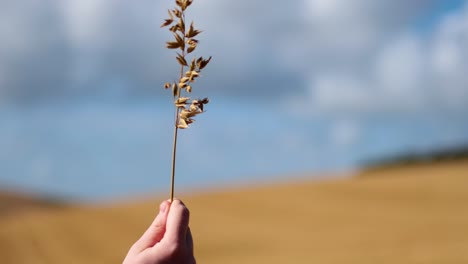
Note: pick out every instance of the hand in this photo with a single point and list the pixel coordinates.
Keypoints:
(168, 240)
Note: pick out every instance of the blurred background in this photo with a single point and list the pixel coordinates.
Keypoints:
(299, 89)
(302, 86)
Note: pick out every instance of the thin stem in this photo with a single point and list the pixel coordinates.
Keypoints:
(174, 148)
(176, 128)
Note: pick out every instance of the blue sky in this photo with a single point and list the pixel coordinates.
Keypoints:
(296, 86)
(440, 9)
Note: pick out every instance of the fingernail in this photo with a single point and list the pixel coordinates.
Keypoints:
(163, 207)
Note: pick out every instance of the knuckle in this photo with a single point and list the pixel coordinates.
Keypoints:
(175, 249)
(158, 224)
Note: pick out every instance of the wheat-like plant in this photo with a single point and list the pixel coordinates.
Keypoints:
(184, 40)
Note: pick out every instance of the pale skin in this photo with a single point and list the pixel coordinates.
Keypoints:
(168, 239)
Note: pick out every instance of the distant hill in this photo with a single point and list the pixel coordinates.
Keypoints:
(453, 154)
(14, 203)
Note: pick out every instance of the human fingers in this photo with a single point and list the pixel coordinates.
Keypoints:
(189, 240)
(177, 223)
(156, 230)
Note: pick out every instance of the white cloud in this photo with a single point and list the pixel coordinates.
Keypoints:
(354, 54)
(73, 47)
(450, 59)
(405, 73)
(32, 48)
(339, 91)
(341, 26)
(84, 19)
(400, 66)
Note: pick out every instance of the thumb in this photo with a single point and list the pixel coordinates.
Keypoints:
(156, 230)
(177, 223)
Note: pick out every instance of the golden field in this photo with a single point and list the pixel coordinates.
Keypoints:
(416, 214)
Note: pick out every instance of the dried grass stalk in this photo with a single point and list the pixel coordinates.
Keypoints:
(184, 40)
